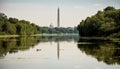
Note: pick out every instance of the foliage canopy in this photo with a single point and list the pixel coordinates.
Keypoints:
(104, 23)
(12, 26)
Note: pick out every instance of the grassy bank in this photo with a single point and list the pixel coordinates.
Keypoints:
(1, 36)
(102, 38)
(54, 35)
(9, 36)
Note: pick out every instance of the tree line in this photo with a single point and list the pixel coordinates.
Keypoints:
(13, 26)
(60, 30)
(104, 23)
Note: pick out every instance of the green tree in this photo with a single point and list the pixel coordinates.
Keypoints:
(9, 28)
(15, 26)
(104, 23)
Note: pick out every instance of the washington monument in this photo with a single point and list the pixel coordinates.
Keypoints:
(58, 17)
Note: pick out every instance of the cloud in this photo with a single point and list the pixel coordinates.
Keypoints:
(77, 67)
(97, 4)
(76, 7)
(98, 68)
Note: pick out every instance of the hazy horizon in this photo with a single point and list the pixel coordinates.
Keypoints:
(44, 12)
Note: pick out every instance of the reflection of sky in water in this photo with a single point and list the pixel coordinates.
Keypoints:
(45, 56)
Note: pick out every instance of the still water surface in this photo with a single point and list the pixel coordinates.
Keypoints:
(58, 52)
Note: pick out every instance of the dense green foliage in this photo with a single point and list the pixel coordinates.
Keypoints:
(61, 30)
(104, 23)
(12, 26)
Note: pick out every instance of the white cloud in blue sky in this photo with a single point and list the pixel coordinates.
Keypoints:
(44, 12)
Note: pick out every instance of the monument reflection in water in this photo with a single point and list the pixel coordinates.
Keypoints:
(58, 52)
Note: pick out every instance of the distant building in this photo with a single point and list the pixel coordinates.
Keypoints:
(51, 26)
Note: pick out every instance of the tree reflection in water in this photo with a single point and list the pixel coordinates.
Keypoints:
(12, 45)
(106, 51)
(15, 44)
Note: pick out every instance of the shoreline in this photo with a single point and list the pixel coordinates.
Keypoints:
(87, 38)
(101, 38)
(5, 36)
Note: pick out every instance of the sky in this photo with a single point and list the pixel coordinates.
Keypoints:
(44, 12)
